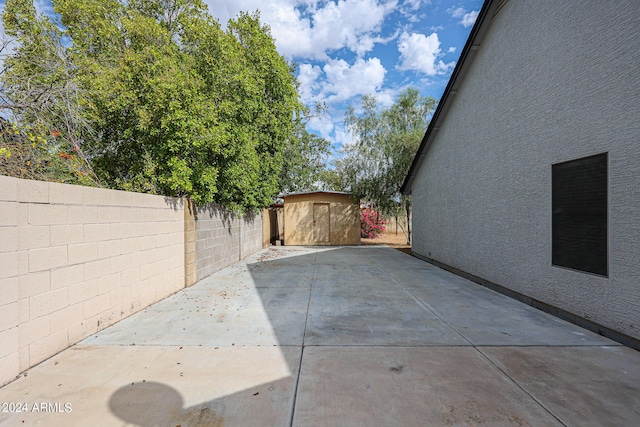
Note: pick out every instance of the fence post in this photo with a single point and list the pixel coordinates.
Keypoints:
(189, 242)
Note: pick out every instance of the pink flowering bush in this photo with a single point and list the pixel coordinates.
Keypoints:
(371, 223)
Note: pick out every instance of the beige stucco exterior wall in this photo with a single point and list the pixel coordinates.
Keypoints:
(75, 260)
(344, 214)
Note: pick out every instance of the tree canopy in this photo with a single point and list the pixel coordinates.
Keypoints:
(305, 158)
(41, 128)
(374, 167)
(163, 99)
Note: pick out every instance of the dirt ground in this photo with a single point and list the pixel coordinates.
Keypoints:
(390, 238)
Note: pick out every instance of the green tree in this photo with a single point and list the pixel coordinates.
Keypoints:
(152, 123)
(385, 143)
(172, 103)
(41, 132)
(267, 107)
(305, 159)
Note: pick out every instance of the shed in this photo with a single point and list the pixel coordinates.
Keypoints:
(321, 218)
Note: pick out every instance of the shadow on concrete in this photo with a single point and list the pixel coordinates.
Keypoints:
(153, 404)
(259, 303)
(145, 404)
(168, 404)
(262, 302)
(416, 326)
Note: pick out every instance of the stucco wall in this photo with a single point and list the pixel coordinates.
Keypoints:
(344, 228)
(75, 260)
(223, 238)
(552, 81)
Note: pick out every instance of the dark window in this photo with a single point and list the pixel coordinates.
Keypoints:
(579, 223)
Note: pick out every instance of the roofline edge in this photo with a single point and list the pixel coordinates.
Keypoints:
(405, 189)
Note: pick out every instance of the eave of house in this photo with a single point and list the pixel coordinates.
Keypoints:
(474, 43)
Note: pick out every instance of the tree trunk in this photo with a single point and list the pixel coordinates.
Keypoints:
(396, 222)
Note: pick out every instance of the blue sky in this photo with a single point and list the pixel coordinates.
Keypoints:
(348, 48)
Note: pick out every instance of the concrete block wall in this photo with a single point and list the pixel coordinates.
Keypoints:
(250, 235)
(223, 238)
(189, 244)
(75, 260)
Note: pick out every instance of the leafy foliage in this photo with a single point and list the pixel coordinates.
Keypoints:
(304, 160)
(26, 153)
(38, 92)
(374, 167)
(166, 101)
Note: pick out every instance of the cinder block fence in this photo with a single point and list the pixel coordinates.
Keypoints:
(74, 260)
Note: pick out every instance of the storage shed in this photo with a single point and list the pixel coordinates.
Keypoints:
(321, 218)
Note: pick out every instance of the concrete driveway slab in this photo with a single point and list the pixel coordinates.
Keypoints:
(359, 315)
(485, 317)
(421, 276)
(376, 330)
(215, 316)
(348, 255)
(383, 339)
(418, 387)
(338, 276)
(582, 386)
(158, 386)
(384, 258)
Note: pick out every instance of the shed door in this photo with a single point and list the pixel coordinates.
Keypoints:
(321, 222)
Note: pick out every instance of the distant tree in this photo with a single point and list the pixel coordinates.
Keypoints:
(385, 143)
(332, 179)
(305, 159)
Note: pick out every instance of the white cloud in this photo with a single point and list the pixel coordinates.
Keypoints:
(386, 97)
(421, 53)
(410, 9)
(322, 125)
(457, 12)
(44, 6)
(305, 29)
(339, 81)
(412, 4)
(344, 81)
(343, 137)
(468, 18)
(308, 78)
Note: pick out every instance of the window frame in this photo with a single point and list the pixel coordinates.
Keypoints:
(556, 244)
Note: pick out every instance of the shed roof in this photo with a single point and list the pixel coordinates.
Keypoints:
(312, 192)
(489, 9)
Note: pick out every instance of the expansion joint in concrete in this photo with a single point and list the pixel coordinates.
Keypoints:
(304, 333)
(516, 384)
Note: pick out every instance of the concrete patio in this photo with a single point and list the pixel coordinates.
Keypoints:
(341, 336)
